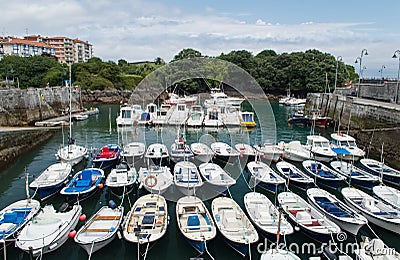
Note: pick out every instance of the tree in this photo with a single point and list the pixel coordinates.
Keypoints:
(187, 54)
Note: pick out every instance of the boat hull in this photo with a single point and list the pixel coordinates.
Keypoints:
(271, 187)
(121, 190)
(105, 163)
(48, 192)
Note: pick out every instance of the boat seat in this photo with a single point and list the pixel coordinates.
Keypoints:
(229, 219)
(193, 222)
(148, 220)
(82, 183)
(98, 230)
(107, 217)
(304, 217)
(369, 204)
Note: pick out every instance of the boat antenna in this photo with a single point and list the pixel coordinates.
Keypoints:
(70, 105)
(26, 184)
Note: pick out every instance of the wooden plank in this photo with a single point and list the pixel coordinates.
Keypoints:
(107, 217)
(97, 230)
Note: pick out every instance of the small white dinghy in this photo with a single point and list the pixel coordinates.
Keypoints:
(48, 230)
(247, 152)
(187, 178)
(215, 177)
(294, 175)
(147, 221)
(375, 210)
(100, 230)
(375, 249)
(156, 179)
(388, 194)
(265, 215)
(195, 222)
(134, 152)
(337, 211)
(225, 152)
(233, 224)
(51, 180)
(202, 152)
(265, 177)
(354, 175)
(121, 180)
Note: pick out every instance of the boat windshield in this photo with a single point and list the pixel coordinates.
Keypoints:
(321, 144)
(126, 114)
(352, 144)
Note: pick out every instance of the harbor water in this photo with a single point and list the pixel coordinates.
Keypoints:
(97, 131)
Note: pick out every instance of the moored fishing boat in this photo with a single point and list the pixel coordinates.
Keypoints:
(337, 211)
(319, 148)
(354, 175)
(322, 174)
(247, 152)
(202, 152)
(294, 176)
(48, 230)
(224, 152)
(133, 152)
(180, 151)
(51, 180)
(107, 157)
(100, 229)
(215, 177)
(348, 143)
(310, 221)
(156, 179)
(387, 173)
(158, 153)
(84, 184)
(122, 179)
(265, 216)
(269, 152)
(375, 249)
(195, 222)
(233, 224)
(187, 178)
(129, 115)
(375, 210)
(294, 151)
(265, 177)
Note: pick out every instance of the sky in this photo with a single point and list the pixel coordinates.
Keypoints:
(138, 30)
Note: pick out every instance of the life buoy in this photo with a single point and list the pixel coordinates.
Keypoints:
(150, 181)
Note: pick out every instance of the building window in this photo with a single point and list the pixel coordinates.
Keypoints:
(15, 48)
(26, 50)
(35, 50)
(44, 50)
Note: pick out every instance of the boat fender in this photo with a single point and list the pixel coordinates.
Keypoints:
(112, 204)
(82, 217)
(119, 235)
(72, 233)
(112, 229)
(51, 247)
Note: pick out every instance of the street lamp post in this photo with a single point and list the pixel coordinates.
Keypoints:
(339, 58)
(359, 59)
(381, 71)
(397, 55)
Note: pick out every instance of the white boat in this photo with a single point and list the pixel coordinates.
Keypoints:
(195, 222)
(179, 115)
(265, 215)
(265, 177)
(337, 211)
(16, 215)
(215, 177)
(387, 173)
(233, 224)
(319, 148)
(247, 152)
(134, 152)
(180, 151)
(354, 175)
(196, 116)
(156, 179)
(311, 222)
(295, 102)
(48, 230)
(294, 151)
(224, 152)
(129, 115)
(247, 119)
(121, 179)
(187, 178)
(202, 152)
(213, 118)
(80, 117)
(51, 180)
(279, 254)
(162, 114)
(345, 146)
(220, 98)
(176, 99)
(147, 221)
(269, 152)
(322, 174)
(100, 229)
(71, 153)
(230, 115)
(147, 116)
(294, 176)
(158, 153)
(375, 249)
(388, 194)
(375, 210)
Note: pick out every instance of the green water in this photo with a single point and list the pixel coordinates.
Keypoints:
(95, 132)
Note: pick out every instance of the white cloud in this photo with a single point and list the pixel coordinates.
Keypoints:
(140, 30)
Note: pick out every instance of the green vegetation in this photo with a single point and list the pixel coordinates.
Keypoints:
(302, 72)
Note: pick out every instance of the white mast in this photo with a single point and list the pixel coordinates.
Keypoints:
(70, 105)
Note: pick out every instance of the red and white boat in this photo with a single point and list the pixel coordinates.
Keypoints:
(175, 99)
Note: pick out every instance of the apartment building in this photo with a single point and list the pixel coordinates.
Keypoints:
(65, 49)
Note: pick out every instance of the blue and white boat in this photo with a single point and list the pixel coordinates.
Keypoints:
(233, 224)
(180, 151)
(158, 153)
(354, 175)
(195, 222)
(265, 177)
(375, 210)
(337, 211)
(51, 180)
(187, 178)
(16, 215)
(388, 174)
(310, 221)
(216, 178)
(322, 174)
(107, 157)
(388, 194)
(294, 175)
(84, 184)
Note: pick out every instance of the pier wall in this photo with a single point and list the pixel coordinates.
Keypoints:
(382, 91)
